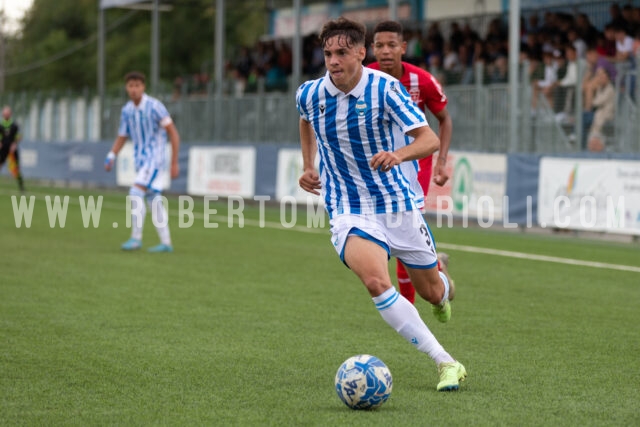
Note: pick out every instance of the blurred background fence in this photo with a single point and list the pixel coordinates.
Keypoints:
(480, 114)
(470, 62)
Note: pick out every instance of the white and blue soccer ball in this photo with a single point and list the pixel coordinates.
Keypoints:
(363, 382)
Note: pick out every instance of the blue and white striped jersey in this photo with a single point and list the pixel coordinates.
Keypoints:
(350, 129)
(144, 125)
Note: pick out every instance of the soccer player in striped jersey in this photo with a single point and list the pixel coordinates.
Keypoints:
(388, 48)
(355, 119)
(146, 121)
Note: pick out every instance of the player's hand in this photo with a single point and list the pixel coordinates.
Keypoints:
(384, 161)
(175, 170)
(440, 176)
(12, 148)
(109, 161)
(310, 181)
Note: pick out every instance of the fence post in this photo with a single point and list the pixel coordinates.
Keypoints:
(526, 131)
(636, 122)
(578, 130)
(260, 110)
(481, 112)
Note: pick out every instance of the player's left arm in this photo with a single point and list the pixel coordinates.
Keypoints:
(425, 142)
(440, 176)
(174, 138)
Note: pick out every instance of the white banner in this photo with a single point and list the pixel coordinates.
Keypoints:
(289, 171)
(222, 171)
(595, 195)
(126, 170)
(476, 186)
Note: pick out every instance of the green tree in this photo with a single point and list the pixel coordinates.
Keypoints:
(57, 47)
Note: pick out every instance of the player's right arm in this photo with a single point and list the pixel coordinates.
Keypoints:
(310, 180)
(115, 149)
(123, 134)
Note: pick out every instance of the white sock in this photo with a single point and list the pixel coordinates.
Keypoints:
(160, 217)
(402, 316)
(443, 276)
(138, 212)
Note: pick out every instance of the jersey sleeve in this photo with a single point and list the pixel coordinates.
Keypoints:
(303, 109)
(161, 114)
(123, 128)
(433, 94)
(401, 108)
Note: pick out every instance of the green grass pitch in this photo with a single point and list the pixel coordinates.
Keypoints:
(247, 326)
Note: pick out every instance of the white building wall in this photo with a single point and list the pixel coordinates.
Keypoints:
(439, 9)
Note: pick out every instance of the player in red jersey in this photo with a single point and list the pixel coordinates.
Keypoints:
(388, 48)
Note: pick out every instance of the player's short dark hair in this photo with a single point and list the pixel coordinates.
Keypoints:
(134, 75)
(353, 32)
(388, 27)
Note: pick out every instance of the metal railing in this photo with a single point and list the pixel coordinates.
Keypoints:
(480, 113)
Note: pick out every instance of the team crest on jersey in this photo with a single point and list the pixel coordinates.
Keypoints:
(361, 107)
(415, 94)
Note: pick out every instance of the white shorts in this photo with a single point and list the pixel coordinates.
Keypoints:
(404, 235)
(151, 178)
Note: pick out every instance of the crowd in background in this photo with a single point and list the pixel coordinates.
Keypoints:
(450, 54)
(551, 44)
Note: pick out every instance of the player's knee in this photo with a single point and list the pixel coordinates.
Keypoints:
(375, 285)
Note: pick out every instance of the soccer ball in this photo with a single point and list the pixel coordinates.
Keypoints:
(363, 382)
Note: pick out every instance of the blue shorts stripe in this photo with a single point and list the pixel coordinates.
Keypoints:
(421, 267)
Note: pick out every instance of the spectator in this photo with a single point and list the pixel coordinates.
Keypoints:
(578, 43)
(565, 87)
(586, 30)
(435, 68)
(634, 24)
(435, 40)
(599, 108)
(595, 61)
(627, 16)
(534, 24)
(414, 47)
(616, 16)
(469, 34)
(607, 43)
(499, 70)
(465, 56)
(456, 37)
(451, 62)
(636, 44)
(543, 86)
(275, 77)
(624, 45)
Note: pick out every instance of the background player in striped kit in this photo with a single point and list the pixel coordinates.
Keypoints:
(388, 48)
(355, 119)
(146, 121)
